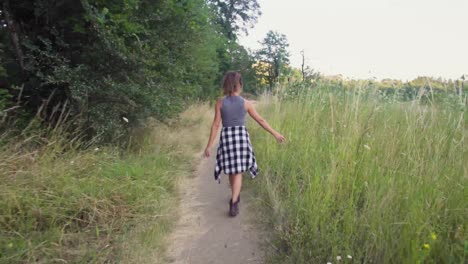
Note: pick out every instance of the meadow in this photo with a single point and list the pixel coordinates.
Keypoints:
(67, 201)
(363, 178)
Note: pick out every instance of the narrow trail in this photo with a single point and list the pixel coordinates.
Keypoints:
(205, 233)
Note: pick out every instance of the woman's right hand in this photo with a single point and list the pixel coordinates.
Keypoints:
(207, 152)
(280, 138)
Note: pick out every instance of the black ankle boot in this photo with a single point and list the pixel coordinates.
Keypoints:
(232, 211)
(234, 207)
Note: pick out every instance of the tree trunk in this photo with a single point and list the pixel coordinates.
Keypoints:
(14, 33)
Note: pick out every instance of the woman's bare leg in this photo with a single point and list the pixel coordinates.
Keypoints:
(236, 185)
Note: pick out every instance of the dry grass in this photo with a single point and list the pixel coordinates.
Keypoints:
(185, 138)
(59, 203)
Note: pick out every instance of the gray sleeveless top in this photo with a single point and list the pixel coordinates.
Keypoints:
(233, 111)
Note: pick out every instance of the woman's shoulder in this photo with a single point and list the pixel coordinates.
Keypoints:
(248, 104)
(219, 102)
(246, 99)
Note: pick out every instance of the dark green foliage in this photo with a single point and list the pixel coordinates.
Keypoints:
(110, 61)
(236, 15)
(235, 57)
(5, 97)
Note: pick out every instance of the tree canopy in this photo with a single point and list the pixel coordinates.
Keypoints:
(102, 60)
(236, 15)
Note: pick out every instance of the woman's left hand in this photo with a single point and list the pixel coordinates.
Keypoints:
(280, 138)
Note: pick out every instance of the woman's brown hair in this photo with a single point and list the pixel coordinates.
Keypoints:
(232, 82)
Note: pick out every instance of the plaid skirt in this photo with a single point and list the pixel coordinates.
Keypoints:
(235, 153)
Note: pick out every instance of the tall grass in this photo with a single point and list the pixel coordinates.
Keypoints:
(382, 182)
(61, 203)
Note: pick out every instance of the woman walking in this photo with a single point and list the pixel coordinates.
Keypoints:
(235, 154)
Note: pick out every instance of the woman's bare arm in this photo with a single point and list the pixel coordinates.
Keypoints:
(214, 128)
(262, 122)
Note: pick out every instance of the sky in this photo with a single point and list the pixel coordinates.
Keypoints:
(399, 39)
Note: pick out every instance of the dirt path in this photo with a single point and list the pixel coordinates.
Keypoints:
(205, 233)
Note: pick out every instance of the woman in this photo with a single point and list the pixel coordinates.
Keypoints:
(235, 154)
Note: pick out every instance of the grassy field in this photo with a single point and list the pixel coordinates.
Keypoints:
(363, 179)
(62, 204)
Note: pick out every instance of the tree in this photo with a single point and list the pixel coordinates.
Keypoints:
(108, 59)
(272, 57)
(233, 17)
(234, 57)
(236, 15)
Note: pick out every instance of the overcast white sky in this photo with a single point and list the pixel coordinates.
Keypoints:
(371, 38)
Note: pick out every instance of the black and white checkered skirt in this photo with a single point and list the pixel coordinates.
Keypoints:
(235, 153)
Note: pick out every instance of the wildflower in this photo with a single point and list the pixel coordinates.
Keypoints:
(427, 246)
(367, 147)
(338, 258)
(350, 257)
(433, 236)
(125, 119)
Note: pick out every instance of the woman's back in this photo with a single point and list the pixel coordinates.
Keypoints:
(233, 111)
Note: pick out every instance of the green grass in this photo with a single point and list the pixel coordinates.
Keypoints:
(60, 203)
(381, 181)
